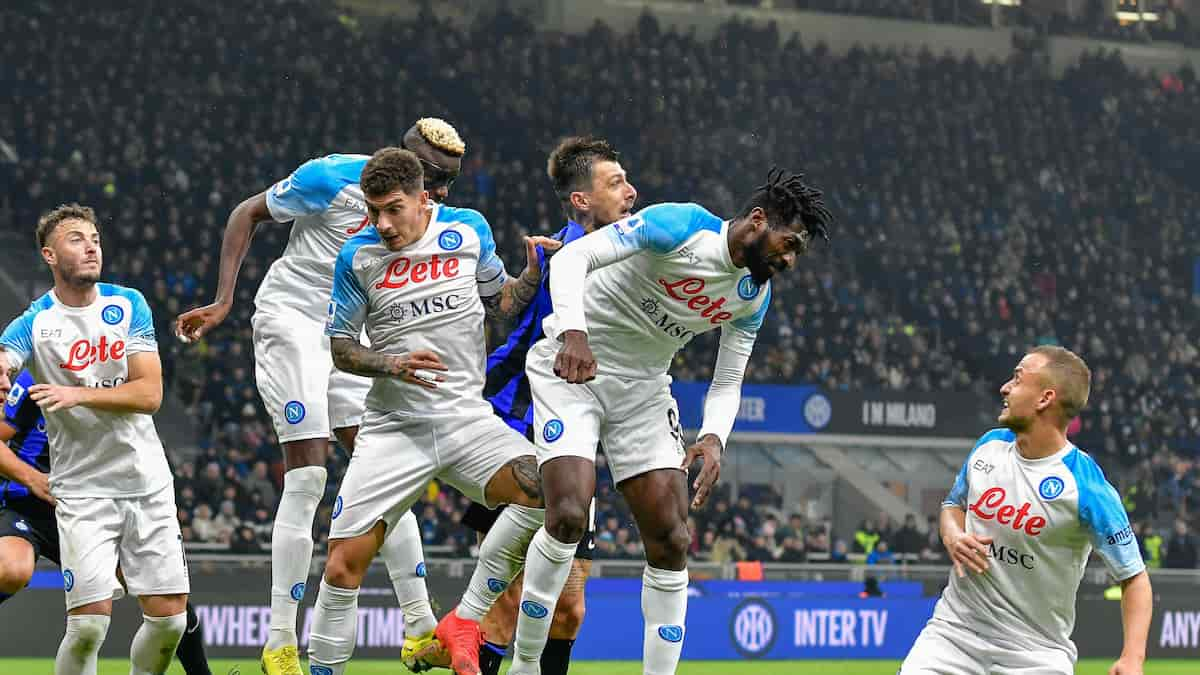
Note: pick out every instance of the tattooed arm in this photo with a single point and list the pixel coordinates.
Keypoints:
(352, 357)
(516, 294)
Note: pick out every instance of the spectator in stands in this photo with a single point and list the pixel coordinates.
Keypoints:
(793, 550)
(840, 552)
(226, 520)
(1152, 546)
(882, 555)
(1181, 548)
(202, 524)
(259, 481)
(866, 537)
(725, 548)
(908, 539)
(246, 542)
(760, 549)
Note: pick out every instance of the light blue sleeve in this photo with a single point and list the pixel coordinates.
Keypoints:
(490, 274)
(312, 187)
(753, 322)
(141, 324)
(962, 482)
(348, 307)
(662, 228)
(17, 338)
(1103, 515)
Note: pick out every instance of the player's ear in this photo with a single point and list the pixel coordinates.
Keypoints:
(758, 217)
(48, 255)
(1049, 396)
(579, 201)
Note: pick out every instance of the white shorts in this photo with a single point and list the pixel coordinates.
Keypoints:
(141, 534)
(394, 461)
(302, 391)
(944, 648)
(636, 421)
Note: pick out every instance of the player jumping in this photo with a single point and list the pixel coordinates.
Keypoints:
(304, 394)
(1024, 515)
(592, 186)
(27, 525)
(420, 280)
(91, 347)
(640, 289)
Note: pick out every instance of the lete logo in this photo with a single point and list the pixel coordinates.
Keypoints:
(688, 290)
(991, 506)
(402, 271)
(83, 353)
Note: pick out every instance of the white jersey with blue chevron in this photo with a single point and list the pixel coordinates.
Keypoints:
(661, 277)
(1045, 516)
(93, 453)
(324, 203)
(425, 296)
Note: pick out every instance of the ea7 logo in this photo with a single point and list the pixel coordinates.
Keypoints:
(983, 466)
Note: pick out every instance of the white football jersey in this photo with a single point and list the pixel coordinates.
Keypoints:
(426, 296)
(324, 203)
(661, 277)
(93, 453)
(1045, 517)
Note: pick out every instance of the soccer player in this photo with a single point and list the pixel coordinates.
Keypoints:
(636, 292)
(303, 392)
(420, 280)
(1025, 512)
(592, 186)
(27, 525)
(92, 349)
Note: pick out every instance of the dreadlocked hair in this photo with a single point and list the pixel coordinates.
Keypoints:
(787, 200)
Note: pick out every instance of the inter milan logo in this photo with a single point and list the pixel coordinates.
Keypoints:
(112, 314)
(293, 412)
(450, 240)
(753, 629)
(747, 289)
(552, 431)
(1051, 487)
(817, 411)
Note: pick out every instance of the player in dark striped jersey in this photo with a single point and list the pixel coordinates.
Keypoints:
(27, 525)
(594, 190)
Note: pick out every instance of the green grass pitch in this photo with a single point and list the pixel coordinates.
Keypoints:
(250, 667)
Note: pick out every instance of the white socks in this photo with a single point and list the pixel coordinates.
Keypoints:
(334, 629)
(405, 563)
(501, 557)
(291, 549)
(79, 647)
(664, 607)
(155, 642)
(546, 572)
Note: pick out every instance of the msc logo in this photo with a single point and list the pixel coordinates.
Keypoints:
(552, 431)
(293, 412)
(1051, 487)
(747, 289)
(337, 507)
(68, 580)
(534, 610)
(753, 628)
(671, 633)
(421, 569)
(818, 411)
(112, 314)
(298, 591)
(450, 240)
(496, 585)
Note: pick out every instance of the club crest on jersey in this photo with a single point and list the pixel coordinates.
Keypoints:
(1051, 487)
(450, 240)
(293, 412)
(112, 314)
(552, 431)
(68, 580)
(747, 288)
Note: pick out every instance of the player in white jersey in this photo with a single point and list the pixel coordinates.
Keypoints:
(636, 292)
(1025, 513)
(305, 395)
(91, 346)
(420, 281)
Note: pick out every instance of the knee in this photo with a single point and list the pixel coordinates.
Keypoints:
(568, 616)
(342, 572)
(85, 633)
(14, 574)
(566, 519)
(667, 547)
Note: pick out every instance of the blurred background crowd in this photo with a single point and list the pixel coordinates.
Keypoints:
(982, 207)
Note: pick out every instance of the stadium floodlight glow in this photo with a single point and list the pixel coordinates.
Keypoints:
(1002, 3)
(1137, 16)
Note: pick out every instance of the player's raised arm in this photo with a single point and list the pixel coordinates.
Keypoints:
(515, 294)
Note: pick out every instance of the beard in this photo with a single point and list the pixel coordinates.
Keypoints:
(758, 262)
(1012, 422)
(81, 277)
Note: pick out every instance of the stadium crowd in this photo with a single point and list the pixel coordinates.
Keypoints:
(983, 208)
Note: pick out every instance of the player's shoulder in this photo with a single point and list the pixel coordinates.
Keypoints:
(472, 219)
(336, 169)
(666, 226)
(133, 295)
(1085, 470)
(994, 439)
(368, 236)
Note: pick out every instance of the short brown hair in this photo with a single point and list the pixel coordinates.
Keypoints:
(1068, 374)
(63, 212)
(389, 169)
(570, 164)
